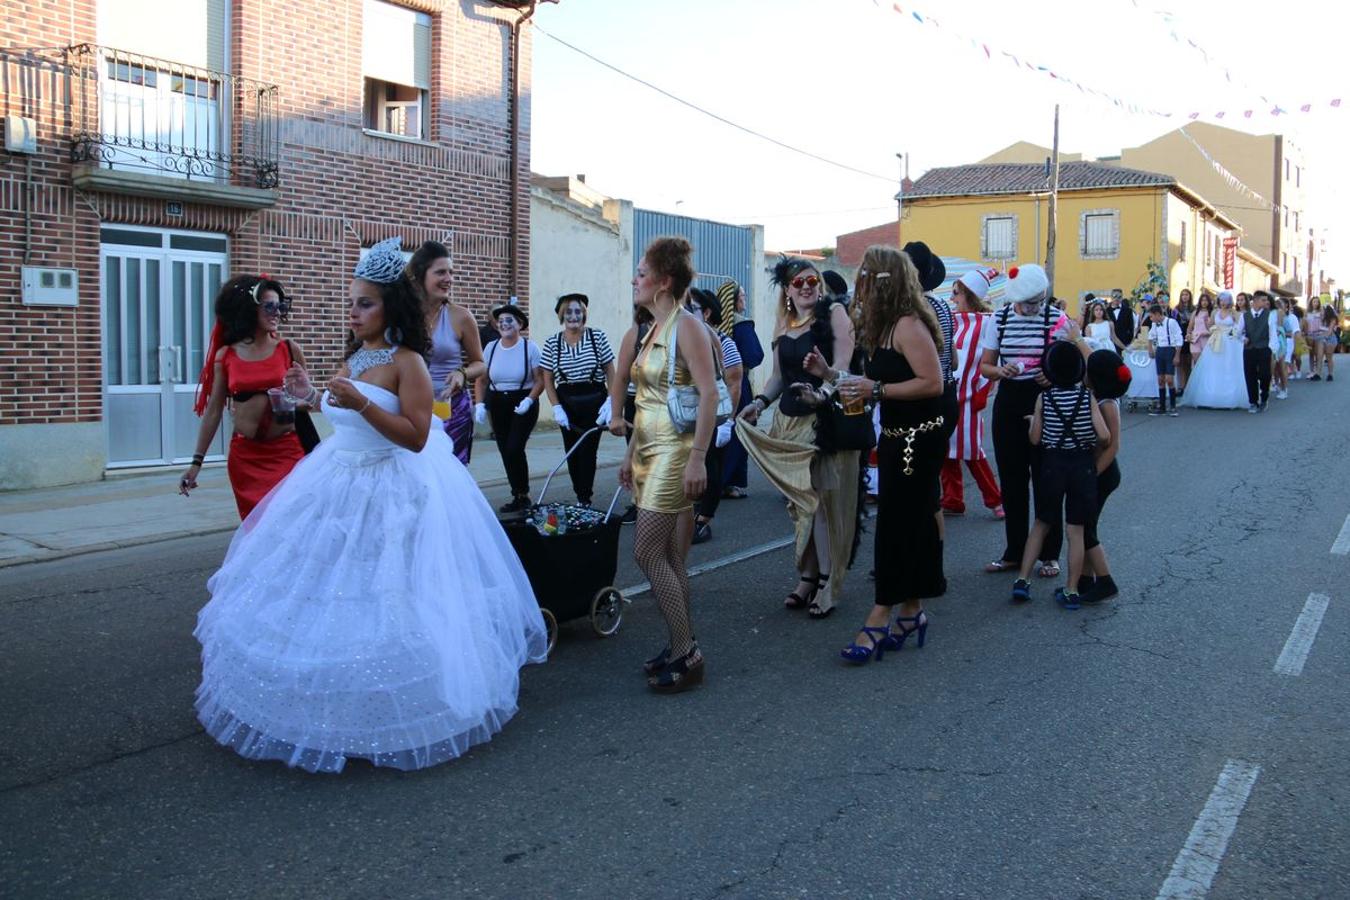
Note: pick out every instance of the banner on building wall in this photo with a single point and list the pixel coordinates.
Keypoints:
(1230, 245)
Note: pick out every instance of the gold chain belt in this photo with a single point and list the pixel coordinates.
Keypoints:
(909, 433)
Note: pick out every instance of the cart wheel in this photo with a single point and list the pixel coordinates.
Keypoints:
(606, 611)
(550, 623)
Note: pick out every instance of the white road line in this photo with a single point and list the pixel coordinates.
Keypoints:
(1296, 649)
(709, 566)
(1198, 862)
(1342, 544)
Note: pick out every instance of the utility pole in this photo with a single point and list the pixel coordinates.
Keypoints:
(1054, 208)
(900, 196)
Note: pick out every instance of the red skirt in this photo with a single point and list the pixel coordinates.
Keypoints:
(255, 467)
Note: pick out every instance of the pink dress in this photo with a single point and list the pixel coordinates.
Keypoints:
(1199, 333)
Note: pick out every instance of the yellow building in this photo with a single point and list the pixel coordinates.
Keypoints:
(1112, 223)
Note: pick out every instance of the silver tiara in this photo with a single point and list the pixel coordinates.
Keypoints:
(384, 263)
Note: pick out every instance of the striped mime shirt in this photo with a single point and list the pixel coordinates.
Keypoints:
(1066, 419)
(1022, 339)
(947, 326)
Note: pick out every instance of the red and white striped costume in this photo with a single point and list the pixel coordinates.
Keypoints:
(972, 388)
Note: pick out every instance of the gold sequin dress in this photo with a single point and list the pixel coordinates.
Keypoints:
(660, 453)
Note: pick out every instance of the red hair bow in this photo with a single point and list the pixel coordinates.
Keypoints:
(1124, 374)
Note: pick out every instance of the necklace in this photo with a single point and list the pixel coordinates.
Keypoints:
(364, 359)
(794, 324)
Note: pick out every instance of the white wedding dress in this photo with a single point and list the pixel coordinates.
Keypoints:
(1217, 381)
(370, 607)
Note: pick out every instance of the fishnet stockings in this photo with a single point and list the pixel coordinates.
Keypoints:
(660, 547)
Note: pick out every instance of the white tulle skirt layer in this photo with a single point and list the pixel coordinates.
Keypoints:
(370, 607)
(1217, 381)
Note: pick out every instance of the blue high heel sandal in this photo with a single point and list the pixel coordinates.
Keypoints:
(858, 654)
(897, 641)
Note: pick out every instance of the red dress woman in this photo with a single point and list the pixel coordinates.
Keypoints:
(246, 358)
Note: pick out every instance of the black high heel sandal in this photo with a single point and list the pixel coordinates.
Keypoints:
(797, 601)
(814, 609)
(679, 676)
(658, 662)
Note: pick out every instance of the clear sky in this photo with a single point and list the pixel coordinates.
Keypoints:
(855, 82)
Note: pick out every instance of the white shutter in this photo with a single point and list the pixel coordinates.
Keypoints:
(191, 32)
(998, 239)
(1100, 236)
(396, 44)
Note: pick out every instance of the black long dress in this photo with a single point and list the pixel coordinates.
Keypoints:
(908, 548)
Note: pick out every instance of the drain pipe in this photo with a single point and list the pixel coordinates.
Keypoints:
(514, 279)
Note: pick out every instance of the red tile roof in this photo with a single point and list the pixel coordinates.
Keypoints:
(1024, 178)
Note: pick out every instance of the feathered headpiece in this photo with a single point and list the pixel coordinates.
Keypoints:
(383, 264)
(786, 269)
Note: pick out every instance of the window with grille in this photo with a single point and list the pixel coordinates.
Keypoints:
(998, 239)
(1099, 234)
(396, 65)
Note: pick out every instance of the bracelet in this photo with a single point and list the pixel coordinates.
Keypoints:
(762, 400)
(362, 410)
(877, 391)
(198, 458)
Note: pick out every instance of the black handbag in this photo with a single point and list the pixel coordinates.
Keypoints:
(305, 430)
(837, 430)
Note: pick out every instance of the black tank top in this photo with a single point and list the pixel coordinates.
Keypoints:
(791, 354)
(890, 366)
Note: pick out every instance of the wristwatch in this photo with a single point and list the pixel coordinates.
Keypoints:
(877, 388)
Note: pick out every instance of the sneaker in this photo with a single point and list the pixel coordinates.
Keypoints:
(629, 515)
(1317, 377)
(1282, 394)
(999, 513)
(1154, 411)
(1021, 591)
(1103, 588)
(702, 532)
(1067, 600)
(1173, 412)
(1252, 408)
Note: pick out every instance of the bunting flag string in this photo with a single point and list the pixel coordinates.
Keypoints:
(1233, 181)
(1170, 22)
(979, 46)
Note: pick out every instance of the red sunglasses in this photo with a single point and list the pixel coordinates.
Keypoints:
(805, 281)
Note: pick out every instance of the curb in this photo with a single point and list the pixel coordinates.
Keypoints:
(141, 541)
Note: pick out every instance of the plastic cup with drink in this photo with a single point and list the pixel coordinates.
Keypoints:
(283, 406)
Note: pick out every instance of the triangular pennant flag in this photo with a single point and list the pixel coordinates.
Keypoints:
(1307, 107)
(1336, 102)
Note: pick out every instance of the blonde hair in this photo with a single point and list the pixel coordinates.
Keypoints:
(784, 309)
(888, 290)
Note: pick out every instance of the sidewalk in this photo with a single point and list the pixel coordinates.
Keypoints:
(126, 510)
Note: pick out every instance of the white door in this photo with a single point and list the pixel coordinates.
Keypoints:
(158, 287)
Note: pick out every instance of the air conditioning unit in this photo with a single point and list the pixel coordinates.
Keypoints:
(20, 135)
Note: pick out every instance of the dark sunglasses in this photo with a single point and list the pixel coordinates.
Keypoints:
(805, 281)
(274, 308)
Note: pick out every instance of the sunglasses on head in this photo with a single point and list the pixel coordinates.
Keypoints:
(805, 281)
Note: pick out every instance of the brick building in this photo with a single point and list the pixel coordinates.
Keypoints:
(154, 150)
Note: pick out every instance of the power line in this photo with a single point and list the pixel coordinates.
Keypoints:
(712, 115)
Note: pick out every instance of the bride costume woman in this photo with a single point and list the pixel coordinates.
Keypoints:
(371, 606)
(1216, 381)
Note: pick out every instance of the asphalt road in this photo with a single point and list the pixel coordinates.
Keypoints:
(1024, 752)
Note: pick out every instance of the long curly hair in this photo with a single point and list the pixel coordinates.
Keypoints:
(237, 305)
(403, 318)
(886, 291)
(420, 263)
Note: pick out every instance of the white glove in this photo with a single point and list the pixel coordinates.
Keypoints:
(723, 436)
(524, 406)
(480, 413)
(560, 416)
(604, 415)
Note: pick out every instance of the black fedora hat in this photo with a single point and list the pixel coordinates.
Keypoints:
(932, 270)
(568, 298)
(1063, 364)
(509, 307)
(835, 282)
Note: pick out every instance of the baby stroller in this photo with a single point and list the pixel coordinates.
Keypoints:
(570, 554)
